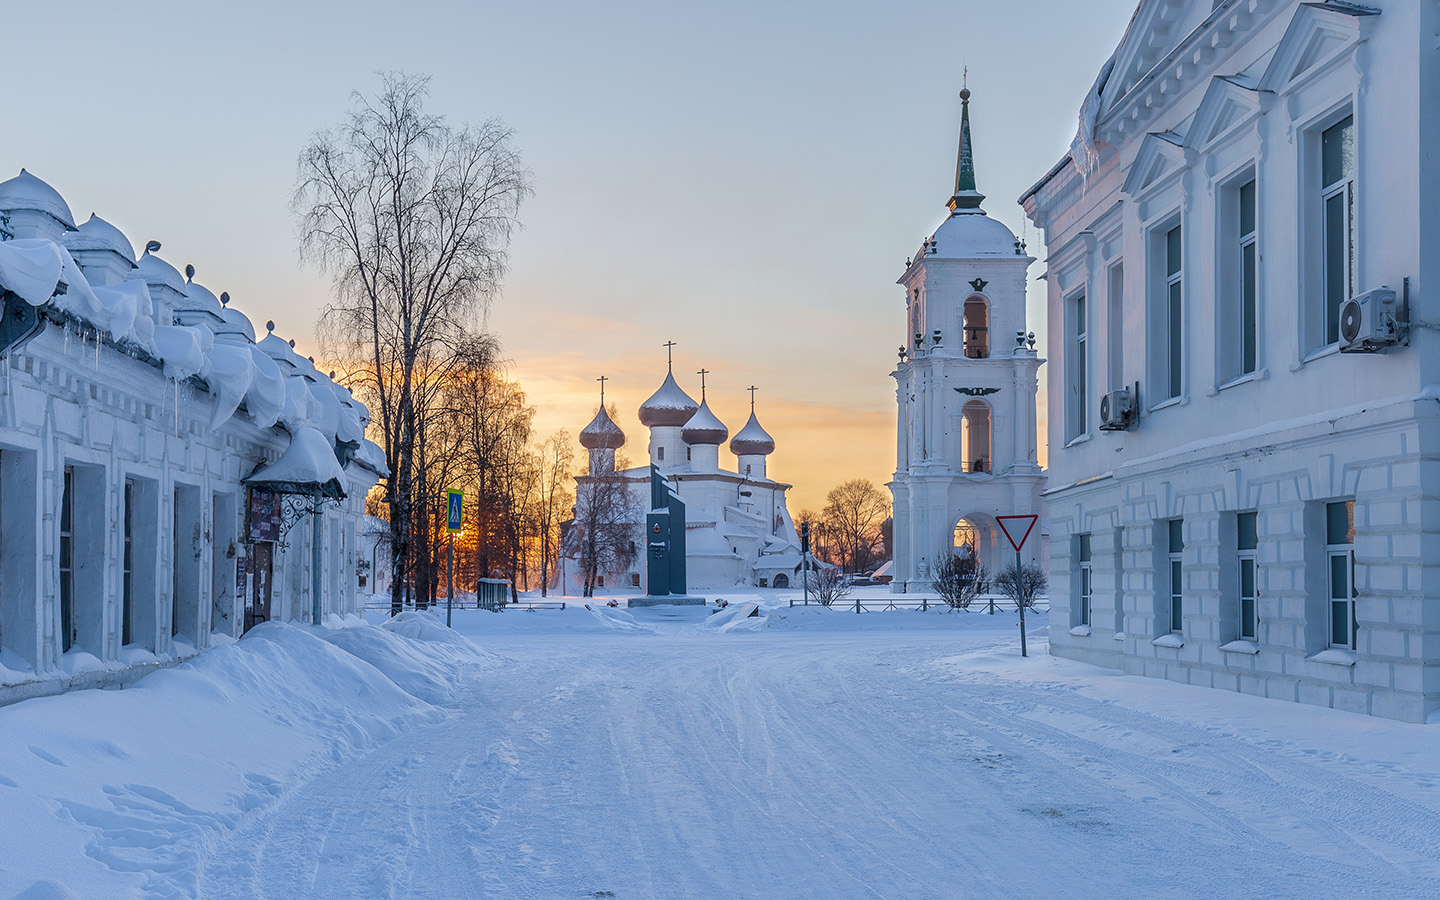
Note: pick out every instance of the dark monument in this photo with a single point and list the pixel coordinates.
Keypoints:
(665, 547)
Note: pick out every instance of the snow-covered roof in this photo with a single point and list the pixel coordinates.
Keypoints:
(233, 321)
(752, 439)
(25, 191)
(157, 271)
(307, 466)
(704, 427)
(668, 407)
(98, 234)
(972, 236)
(602, 433)
(198, 297)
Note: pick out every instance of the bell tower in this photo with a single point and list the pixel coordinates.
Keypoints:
(965, 442)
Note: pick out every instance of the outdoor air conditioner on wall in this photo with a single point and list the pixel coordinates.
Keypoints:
(1368, 322)
(1117, 410)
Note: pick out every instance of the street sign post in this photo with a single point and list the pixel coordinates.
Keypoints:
(1012, 526)
(453, 523)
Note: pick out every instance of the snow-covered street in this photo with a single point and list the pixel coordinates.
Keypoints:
(813, 753)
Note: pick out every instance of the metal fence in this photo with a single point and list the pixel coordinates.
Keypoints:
(988, 603)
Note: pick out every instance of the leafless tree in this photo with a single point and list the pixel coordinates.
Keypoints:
(412, 217)
(829, 584)
(553, 458)
(1024, 587)
(611, 522)
(959, 581)
(853, 514)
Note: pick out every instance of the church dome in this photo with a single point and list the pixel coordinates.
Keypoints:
(752, 440)
(972, 236)
(668, 406)
(98, 234)
(602, 433)
(704, 428)
(25, 191)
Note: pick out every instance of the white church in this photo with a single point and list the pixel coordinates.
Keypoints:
(966, 387)
(1243, 420)
(738, 530)
(158, 464)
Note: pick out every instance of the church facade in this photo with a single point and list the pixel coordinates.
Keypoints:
(738, 530)
(966, 387)
(1243, 420)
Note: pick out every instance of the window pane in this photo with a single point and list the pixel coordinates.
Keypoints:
(1084, 548)
(66, 500)
(1340, 576)
(1246, 526)
(1177, 535)
(1247, 578)
(1080, 314)
(1247, 208)
(1340, 624)
(1248, 317)
(1085, 584)
(1337, 151)
(1175, 339)
(1247, 618)
(1337, 255)
(1172, 251)
(1340, 522)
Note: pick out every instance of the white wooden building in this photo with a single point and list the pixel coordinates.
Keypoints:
(1236, 499)
(135, 406)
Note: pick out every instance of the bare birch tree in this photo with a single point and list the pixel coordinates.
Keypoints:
(412, 218)
(554, 500)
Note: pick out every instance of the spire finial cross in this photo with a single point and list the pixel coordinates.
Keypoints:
(752, 389)
(702, 373)
(669, 356)
(602, 379)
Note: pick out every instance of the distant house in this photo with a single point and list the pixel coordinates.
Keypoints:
(157, 464)
(1243, 411)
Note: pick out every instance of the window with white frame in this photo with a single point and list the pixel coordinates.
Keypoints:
(1174, 313)
(1082, 553)
(1246, 543)
(1340, 554)
(1238, 305)
(1175, 532)
(1166, 312)
(1077, 364)
(1115, 327)
(1337, 197)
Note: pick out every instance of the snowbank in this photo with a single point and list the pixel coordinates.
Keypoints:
(421, 656)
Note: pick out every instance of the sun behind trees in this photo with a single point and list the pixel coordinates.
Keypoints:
(412, 218)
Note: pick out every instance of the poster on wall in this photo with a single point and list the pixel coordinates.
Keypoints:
(263, 516)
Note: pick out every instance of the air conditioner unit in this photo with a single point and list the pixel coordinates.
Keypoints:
(1367, 322)
(1117, 410)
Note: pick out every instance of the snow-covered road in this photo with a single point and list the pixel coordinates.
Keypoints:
(837, 762)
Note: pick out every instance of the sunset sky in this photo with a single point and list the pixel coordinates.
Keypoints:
(746, 179)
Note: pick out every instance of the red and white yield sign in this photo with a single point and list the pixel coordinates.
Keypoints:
(1012, 526)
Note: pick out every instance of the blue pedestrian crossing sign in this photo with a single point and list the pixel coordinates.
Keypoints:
(452, 514)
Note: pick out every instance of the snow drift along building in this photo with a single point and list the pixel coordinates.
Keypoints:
(153, 456)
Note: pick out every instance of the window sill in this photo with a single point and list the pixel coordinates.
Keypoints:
(1119, 635)
(1077, 440)
(1169, 640)
(1335, 656)
(1244, 645)
(1257, 375)
(1165, 404)
(1081, 631)
(1327, 350)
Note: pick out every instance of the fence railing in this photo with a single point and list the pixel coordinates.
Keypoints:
(988, 603)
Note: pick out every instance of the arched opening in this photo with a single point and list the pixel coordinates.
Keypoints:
(782, 580)
(977, 328)
(975, 542)
(975, 437)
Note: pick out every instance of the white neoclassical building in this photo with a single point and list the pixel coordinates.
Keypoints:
(738, 529)
(1243, 419)
(965, 392)
(148, 445)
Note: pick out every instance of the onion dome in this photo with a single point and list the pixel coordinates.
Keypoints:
(602, 433)
(669, 406)
(157, 271)
(704, 427)
(25, 191)
(752, 440)
(98, 234)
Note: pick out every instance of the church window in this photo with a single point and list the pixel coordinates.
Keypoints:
(1077, 366)
(1337, 197)
(1082, 555)
(1167, 319)
(1246, 593)
(1238, 332)
(1340, 558)
(975, 437)
(977, 328)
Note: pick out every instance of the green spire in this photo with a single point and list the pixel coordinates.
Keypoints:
(966, 198)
